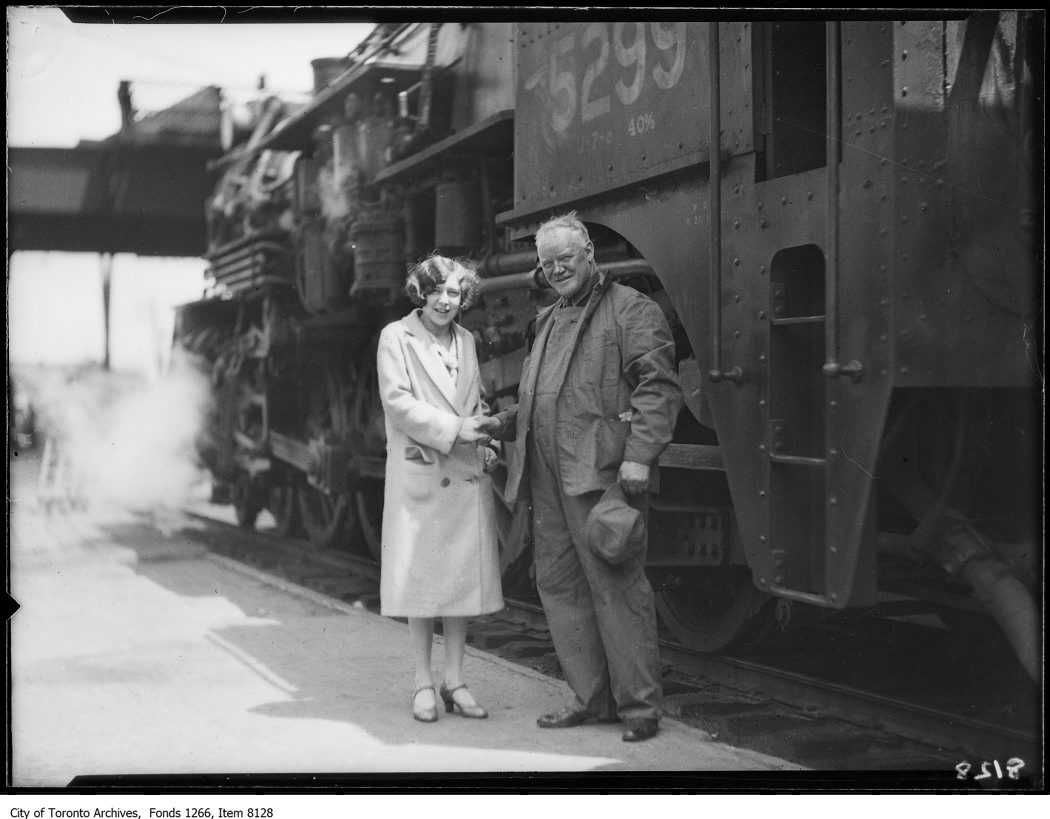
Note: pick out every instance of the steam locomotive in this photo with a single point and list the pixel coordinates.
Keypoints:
(837, 218)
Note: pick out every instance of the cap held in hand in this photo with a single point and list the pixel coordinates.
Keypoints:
(615, 530)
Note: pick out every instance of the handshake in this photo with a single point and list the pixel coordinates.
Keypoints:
(478, 429)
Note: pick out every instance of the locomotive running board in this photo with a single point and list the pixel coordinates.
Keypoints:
(700, 457)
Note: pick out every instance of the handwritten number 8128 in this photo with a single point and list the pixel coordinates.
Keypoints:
(1013, 766)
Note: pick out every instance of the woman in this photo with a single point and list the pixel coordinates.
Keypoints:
(439, 537)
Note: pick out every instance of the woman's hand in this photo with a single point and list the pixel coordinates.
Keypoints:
(491, 458)
(471, 431)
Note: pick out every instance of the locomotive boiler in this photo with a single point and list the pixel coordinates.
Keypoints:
(837, 218)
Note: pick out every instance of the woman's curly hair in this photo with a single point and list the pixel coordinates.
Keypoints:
(425, 276)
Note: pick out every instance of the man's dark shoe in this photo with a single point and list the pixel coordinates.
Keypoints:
(565, 718)
(637, 730)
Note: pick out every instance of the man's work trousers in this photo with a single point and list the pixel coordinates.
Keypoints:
(602, 618)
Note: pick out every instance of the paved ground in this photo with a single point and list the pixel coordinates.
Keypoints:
(156, 658)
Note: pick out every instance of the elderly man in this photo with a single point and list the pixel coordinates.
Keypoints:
(598, 400)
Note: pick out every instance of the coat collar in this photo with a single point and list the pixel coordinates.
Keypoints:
(458, 393)
(544, 324)
(589, 306)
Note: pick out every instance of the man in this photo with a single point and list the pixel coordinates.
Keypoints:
(598, 400)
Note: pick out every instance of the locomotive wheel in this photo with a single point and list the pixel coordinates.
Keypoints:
(712, 609)
(369, 425)
(324, 517)
(248, 502)
(283, 503)
(369, 502)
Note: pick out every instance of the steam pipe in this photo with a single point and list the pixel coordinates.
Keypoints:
(832, 367)
(715, 184)
(832, 160)
(961, 550)
(505, 264)
(527, 279)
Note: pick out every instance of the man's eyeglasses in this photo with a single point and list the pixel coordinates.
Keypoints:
(563, 259)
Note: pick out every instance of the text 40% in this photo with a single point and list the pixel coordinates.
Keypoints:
(640, 124)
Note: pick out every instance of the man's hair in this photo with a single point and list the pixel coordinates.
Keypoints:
(428, 274)
(568, 221)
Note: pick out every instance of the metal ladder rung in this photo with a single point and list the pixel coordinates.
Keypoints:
(797, 460)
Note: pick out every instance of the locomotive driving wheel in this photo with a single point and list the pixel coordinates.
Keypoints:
(326, 517)
(713, 608)
(367, 420)
(368, 499)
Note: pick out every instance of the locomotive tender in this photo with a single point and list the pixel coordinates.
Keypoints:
(836, 217)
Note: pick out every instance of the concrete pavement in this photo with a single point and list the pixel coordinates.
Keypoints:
(158, 658)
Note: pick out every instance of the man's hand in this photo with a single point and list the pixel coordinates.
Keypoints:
(491, 458)
(634, 477)
(471, 431)
(492, 426)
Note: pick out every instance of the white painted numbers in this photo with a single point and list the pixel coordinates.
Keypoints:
(665, 40)
(636, 126)
(591, 95)
(590, 109)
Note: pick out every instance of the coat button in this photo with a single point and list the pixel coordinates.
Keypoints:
(445, 481)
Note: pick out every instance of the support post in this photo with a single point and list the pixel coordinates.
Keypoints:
(106, 265)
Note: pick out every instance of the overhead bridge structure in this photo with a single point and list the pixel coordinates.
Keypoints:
(139, 191)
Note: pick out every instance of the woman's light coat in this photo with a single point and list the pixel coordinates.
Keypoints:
(440, 553)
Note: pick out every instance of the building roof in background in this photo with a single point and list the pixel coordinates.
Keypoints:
(141, 190)
(195, 119)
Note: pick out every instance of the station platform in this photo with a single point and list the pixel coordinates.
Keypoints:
(143, 655)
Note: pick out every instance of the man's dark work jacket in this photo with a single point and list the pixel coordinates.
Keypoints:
(620, 397)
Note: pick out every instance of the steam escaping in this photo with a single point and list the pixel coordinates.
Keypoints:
(116, 438)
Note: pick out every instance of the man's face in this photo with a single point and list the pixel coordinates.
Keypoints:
(565, 260)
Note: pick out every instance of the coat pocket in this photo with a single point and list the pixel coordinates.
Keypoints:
(415, 453)
(418, 480)
(610, 442)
